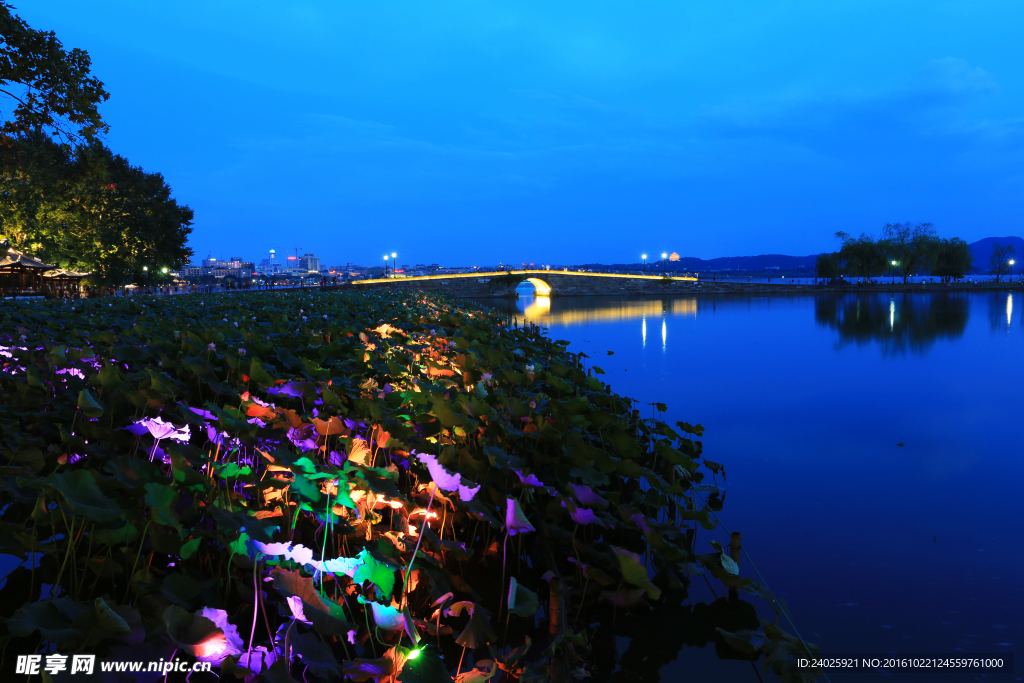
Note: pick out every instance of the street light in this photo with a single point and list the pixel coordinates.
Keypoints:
(164, 271)
(644, 257)
(386, 257)
(663, 257)
(394, 263)
(1011, 269)
(893, 271)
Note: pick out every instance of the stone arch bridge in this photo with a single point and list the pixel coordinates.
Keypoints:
(546, 282)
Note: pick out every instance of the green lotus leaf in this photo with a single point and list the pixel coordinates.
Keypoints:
(81, 492)
(42, 616)
(189, 548)
(89, 406)
(635, 573)
(316, 655)
(259, 375)
(379, 573)
(521, 600)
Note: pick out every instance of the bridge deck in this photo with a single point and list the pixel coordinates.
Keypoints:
(539, 274)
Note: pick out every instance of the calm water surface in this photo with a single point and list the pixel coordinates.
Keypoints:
(873, 451)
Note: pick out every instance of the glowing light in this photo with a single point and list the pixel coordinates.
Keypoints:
(892, 314)
(538, 309)
(413, 531)
(1009, 308)
(540, 287)
(421, 511)
(664, 333)
(414, 654)
(212, 646)
(643, 331)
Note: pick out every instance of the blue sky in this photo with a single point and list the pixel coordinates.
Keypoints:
(472, 132)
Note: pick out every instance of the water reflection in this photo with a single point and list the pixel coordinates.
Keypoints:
(581, 310)
(806, 425)
(1000, 311)
(901, 323)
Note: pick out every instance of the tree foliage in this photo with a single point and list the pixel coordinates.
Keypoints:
(863, 256)
(90, 209)
(827, 266)
(953, 259)
(999, 262)
(53, 87)
(912, 246)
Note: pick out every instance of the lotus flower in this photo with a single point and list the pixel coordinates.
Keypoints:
(515, 519)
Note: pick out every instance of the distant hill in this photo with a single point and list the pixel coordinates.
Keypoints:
(764, 262)
(982, 250)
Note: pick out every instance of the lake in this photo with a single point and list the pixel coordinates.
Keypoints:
(872, 445)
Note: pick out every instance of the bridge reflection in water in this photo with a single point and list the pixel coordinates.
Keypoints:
(572, 311)
(543, 310)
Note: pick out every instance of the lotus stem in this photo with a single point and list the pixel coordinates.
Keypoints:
(408, 567)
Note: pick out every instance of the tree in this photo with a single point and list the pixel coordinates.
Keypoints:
(864, 256)
(54, 90)
(827, 266)
(1001, 255)
(90, 210)
(953, 259)
(912, 247)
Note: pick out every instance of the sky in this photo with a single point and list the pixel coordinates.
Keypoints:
(476, 132)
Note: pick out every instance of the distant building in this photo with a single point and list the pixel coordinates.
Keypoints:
(673, 256)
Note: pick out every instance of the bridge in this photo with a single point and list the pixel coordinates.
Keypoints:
(546, 282)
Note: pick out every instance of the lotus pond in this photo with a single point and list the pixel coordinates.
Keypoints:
(373, 486)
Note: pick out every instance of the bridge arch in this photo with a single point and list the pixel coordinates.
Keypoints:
(540, 287)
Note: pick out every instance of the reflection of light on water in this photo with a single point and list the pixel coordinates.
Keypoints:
(611, 312)
(643, 331)
(892, 314)
(664, 333)
(1009, 308)
(538, 308)
(685, 307)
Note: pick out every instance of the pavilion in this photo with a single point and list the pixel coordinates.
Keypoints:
(22, 275)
